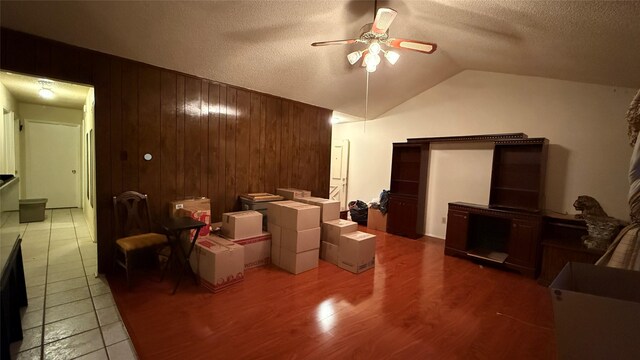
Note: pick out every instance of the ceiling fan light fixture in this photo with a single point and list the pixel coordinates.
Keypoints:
(354, 57)
(371, 68)
(372, 59)
(392, 57)
(374, 48)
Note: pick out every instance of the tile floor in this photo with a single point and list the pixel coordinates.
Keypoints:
(71, 313)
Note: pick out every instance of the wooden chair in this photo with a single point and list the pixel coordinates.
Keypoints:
(133, 228)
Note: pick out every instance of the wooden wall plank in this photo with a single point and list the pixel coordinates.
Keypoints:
(168, 136)
(214, 152)
(180, 110)
(192, 148)
(149, 140)
(130, 164)
(243, 141)
(117, 137)
(230, 155)
(206, 138)
(221, 196)
(255, 163)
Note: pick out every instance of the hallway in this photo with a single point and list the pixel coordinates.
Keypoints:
(71, 313)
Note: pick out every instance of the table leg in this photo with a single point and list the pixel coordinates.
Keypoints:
(187, 264)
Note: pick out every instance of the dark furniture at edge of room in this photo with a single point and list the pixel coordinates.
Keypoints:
(175, 227)
(562, 243)
(506, 237)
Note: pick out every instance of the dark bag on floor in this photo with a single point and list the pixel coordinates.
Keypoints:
(359, 211)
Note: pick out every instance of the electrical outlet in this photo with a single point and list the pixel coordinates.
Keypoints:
(444, 219)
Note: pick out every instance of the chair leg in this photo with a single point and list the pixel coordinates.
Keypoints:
(126, 267)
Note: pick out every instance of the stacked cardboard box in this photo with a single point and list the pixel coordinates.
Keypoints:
(331, 233)
(330, 209)
(199, 209)
(291, 193)
(344, 246)
(245, 228)
(295, 234)
(218, 262)
(376, 220)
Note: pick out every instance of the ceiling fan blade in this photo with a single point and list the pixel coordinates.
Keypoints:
(334, 42)
(383, 20)
(424, 47)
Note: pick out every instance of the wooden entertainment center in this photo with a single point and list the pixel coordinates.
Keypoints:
(507, 230)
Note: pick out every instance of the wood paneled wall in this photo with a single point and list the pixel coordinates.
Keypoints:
(206, 138)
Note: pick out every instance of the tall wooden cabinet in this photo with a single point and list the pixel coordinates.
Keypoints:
(408, 189)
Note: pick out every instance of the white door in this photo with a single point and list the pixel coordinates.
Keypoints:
(53, 163)
(339, 172)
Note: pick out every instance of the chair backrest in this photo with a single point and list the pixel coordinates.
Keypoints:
(132, 215)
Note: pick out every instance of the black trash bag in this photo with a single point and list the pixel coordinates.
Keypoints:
(359, 211)
(384, 201)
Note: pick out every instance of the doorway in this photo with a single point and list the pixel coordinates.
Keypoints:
(339, 172)
(53, 168)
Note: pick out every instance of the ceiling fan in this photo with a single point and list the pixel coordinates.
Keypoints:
(376, 35)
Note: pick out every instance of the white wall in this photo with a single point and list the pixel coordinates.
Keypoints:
(88, 125)
(588, 153)
(51, 114)
(9, 104)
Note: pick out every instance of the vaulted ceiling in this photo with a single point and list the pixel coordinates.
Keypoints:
(265, 45)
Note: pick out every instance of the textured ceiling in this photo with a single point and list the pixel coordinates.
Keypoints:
(265, 45)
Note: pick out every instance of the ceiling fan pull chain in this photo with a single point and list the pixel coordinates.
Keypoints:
(366, 105)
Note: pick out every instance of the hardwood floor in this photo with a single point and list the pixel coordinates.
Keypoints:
(415, 304)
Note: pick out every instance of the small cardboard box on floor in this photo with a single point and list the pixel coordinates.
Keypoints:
(332, 230)
(357, 251)
(597, 312)
(218, 262)
(257, 250)
(376, 220)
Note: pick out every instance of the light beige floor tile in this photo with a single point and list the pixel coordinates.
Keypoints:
(65, 275)
(96, 355)
(68, 310)
(33, 354)
(99, 289)
(36, 303)
(35, 291)
(36, 280)
(31, 338)
(90, 269)
(74, 346)
(97, 280)
(58, 268)
(67, 297)
(103, 301)
(114, 333)
(55, 260)
(32, 319)
(122, 351)
(64, 285)
(108, 315)
(69, 327)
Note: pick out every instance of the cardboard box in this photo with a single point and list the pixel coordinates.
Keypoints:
(597, 312)
(199, 209)
(296, 263)
(257, 250)
(332, 230)
(219, 263)
(276, 235)
(376, 220)
(329, 252)
(241, 224)
(291, 193)
(357, 251)
(274, 210)
(300, 241)
(299, 216)
(329, 209)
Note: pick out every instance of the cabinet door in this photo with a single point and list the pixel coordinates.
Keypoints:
(457, 230)
(523, 242)
(401, 216)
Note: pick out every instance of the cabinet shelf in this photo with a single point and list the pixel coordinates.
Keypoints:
(489, 255)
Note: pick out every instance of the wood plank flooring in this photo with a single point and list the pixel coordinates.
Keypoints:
(416, 304)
